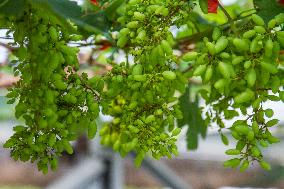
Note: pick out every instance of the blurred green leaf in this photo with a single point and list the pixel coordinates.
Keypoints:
(193, 119)
(12, 7)
(268, 9)
(111, 9)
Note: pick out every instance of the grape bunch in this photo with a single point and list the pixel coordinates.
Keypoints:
(144, 109)
(146, 23)
(55, 103)
(242, 70)
(142, 97)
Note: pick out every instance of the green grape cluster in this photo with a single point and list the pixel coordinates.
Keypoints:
(144, 109)
(242, 71)
(146, 23)
(141, 97)
(54, 102)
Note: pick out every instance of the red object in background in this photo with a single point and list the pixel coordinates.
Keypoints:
(281, 2)
(213, 6)
(104, 47)
(95, 2)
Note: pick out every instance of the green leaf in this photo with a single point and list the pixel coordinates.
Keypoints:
(65, 10)
(268, 10)
(111, 9)
(204, 6)
(12, 7)
(193, 119)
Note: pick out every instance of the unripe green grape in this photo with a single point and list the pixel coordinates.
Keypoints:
(166, 47)
(279, 18)
(259, 29)
(255, 151)
(244, 166)
(216, 33)
(208, 74)
(92, 130)
(268, 47)
(240, 44)
(189, 56)
(221, 44)
(170, 75)
(265, 165)
(255, 128)
(137, 69)
(238, 60)
(257, 20)
(122, 41)
(139, 16)
(220, 85)
(244, 96)
(271, 24)
(251, 77)
(133, 25)
(141, 78)
(242, 129)
(232, 163)
(233, 152)
(250, 135)
(67, 146)
(224, 70)
(249, 34)
(269, 67)
(176, 131)
(211, 48)
(199, 70)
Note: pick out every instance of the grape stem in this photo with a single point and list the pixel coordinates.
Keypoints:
(230, 19)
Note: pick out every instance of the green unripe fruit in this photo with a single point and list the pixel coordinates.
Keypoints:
(166, 47)
(271, 24)
(232, 163)
(139, 16)
(189, 56)
(133, 25)
(224, 70)
(257, 20)
(116, 145)
(269, 67)
(199, 70)
(241, 44)
(250, 135)
(176, 131)
(242, 129)
(259, 29)
(249, 34)
(221, 44)
(67, 146)
(53, 33)
(268, 48)
(211, 48)
(233, 152)
(244, 166)
(92, 130)
(255, 128)
(141, 35)
(137, 69)
(170, 75)
(279, 18)
(265, 165)
(208, 74)
(122, 41)
(216, 34)
(220, 85)
(244, 97)
(238, 60)
(255, 151)
(251, 77)
(150, 119)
